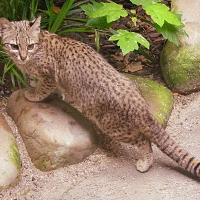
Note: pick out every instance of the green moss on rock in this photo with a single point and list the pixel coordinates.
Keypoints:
(181, 67)
(158, 97)
(15, 157)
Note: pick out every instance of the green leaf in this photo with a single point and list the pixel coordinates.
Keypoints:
(89, 8)
(76, 29)
(20, 78)
(134, 20)
(61, 15)
(170, 32)
(144, 2)
(128, 41)
(160, 13)
(112, 11)
(99, 22)
(15, 75)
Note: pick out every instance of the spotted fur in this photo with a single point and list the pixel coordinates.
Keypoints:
(105, 96)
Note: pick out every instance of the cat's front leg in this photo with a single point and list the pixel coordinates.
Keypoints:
(45, 86)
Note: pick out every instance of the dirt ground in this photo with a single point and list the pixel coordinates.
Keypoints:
(103, 176)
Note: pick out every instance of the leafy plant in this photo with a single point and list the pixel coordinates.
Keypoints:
(18, 9)
(56, 19)
(164, 21)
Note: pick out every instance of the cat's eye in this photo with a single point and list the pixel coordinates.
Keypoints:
(30, 47)
(14, 47)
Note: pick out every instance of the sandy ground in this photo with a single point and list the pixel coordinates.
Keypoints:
(103, 176)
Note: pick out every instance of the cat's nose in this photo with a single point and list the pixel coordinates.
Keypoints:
(23, 57)
(22, 53)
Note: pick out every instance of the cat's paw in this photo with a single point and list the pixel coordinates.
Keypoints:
(32, 95)
(142, 165)
(145, 163)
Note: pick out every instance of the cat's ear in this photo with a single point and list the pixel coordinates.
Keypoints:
(5, 25)
(35, 25)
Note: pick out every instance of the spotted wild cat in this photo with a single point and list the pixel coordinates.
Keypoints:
(109, 99)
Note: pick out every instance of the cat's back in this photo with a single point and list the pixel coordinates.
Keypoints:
(67, 51)
(54, 41)
(86, 63)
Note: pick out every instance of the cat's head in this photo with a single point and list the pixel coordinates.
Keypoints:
(20, 38)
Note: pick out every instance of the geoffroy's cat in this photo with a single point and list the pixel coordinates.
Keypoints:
(106, 97)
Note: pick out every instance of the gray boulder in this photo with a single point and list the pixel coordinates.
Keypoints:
(55, 134)
(9, 156)
(181, 64)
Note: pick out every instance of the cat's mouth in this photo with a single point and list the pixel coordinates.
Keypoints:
(17, 58)
(21, 61)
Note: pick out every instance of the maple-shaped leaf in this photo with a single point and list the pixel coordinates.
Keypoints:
(170, 32)
(112, 11)
(160, 13)
(128, 41)
(89, 8)
(99, 22)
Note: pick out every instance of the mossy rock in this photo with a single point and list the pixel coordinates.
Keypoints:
(181, 67)
(9, 156)
(158, 97)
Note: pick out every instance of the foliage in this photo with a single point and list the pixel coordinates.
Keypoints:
(71, 24)
(128, 41)
(18, 9)
(112, 11)
(164, 21)
(55, 19)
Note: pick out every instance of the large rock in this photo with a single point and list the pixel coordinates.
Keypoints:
(158, 97)
(54, 133)
(181, 64)
(9, 156)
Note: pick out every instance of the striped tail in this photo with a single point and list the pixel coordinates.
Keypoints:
(169, 147)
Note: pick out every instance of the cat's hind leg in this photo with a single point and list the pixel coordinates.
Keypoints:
(146, 154)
